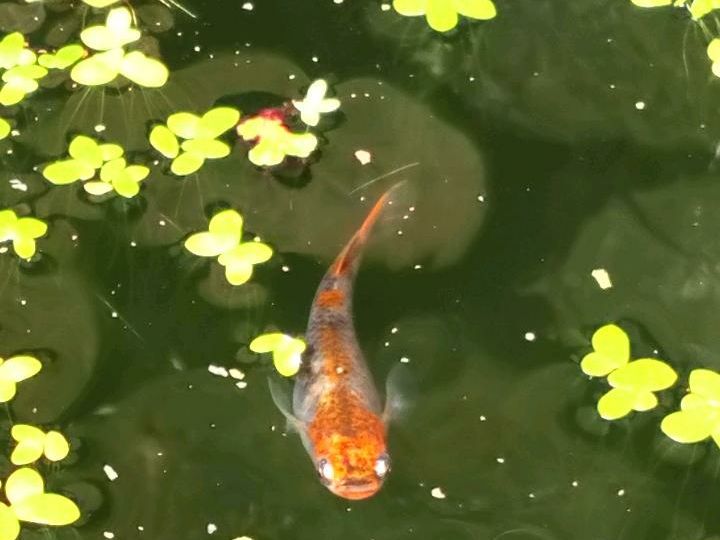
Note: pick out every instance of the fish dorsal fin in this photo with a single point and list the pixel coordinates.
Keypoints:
(281, 398)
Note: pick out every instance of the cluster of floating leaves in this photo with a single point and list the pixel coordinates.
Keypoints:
(86, 157)
(633, 383)
(22, 232)
(699, 414)
(200, 134)
(25, 497)
(697, 8)
(223, 240)
(112, 59)
(286, 350)
(444, 15)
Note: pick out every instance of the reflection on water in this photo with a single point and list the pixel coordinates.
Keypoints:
(541, 146)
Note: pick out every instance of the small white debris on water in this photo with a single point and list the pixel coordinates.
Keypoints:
(23, 302)
(74, 237)
(100, 128)
(196, 48)
(531, 495)
(621, 492)
(575, 483)
(133, 243)
(110, 473)
(291, 76)
(315, 59)
(339, 370)
(140, 528)
(211, 528)
(385, 7)
(241, 385)
(481, 198)
(500, 460)
(602, 278)
(437, 493)
(243, 538)
(417, 266)
(640, 105)
(363, 156)
(162, 223)
(109, 535)
(285, 268)
(404, 360)
(394, 330)
(248, 6)
(235, 373)
(529, 336)
(218, 370)
(483, 418)
(18, 184)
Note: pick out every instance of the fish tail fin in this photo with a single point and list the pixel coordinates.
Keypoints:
(350, 255)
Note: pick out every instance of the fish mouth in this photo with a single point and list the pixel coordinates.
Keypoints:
(356, 490)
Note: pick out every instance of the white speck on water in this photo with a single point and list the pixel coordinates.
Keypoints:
(621, 492)
(23, 302)
(602, 278)
(237, 374)
(74, 237)
(483, 418)
(241, 385)
(529, 336)
(315, 59)
(243, 538)
(248, 6)
(640, 105)
(196, 48)
(16, 183)
(291, 76)
(162, 223)
(500, 460)
(218, 370)
(114, 315)
(394, 330)
(481, 198)
(140, 528)
(363, 156)
(109, 535)
(339, 370)
(417, 266)
(437, 493)
(211, 528)
(404, 360)
(100, 128)
(110, 473)
(575, 483)
(133, 243)
(385, 7)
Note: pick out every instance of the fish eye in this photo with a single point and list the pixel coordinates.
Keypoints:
(382, 466)
(325, 470)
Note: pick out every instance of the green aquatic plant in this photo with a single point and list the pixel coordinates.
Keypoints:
(315, 103)
(117, 175)
(4, 128)
(200, 134)
(33, 443)
(15, 370)
(713, 52)
(443, 15)
(699, 414)
(633, 383)
(112, 60)
(63, 58)
(274, 141)
(22, 73)
(22, 231)
(286, 350)
(223, 240)
(99, 4)
(27, 501)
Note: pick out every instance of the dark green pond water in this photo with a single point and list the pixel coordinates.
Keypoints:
(556, 139)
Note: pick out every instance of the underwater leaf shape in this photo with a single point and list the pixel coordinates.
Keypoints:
(186, 163)
(164, 141)
(184, 124)
(4, 128)
(238, 272)
(410, 8)
(24, 247)
(687, 426)
(109, 151)
(56, 446)
(441, 15)
(67, 171)
(9, 524)
(86, 149)
(143, 70)
(47, 509)
(706, 383)
(266, 343)
(615, 404)
(63, 58)
(19, 368)
(31, 227)
(477, 9)
(97, 188)
(98, 69)
(645, 374)
(217, 121)
(207, 148)
(21, 484)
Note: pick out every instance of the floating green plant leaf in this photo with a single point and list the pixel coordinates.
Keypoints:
(105, 67)
(443, 15)
(117, 175)
(4, 128)
(186, 163)
(67, 171)
(699, 8)
(239, 261)
(207, 148)
(100, 3)
(15, 370)
(611, 350)
(14, 53)
(164, 141)
(274, 141)
(713, 52)
(699, 414)
(25, 491)
(315, 103)
(22, 232)
(20, 80)
(287, 351)
(33, 443)
(114, 34)
(63, 58)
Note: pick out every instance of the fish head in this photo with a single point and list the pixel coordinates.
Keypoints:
(352, 465)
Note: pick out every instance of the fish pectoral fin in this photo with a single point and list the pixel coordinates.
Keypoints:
(400, 389)
(280, 397)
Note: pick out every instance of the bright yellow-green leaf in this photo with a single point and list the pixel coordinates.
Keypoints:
(63, 58)
(706, 383)
(137, 173)
(98, 69)
(31, 227)
(646, 374)
(100, 3)
(110, 151)
(288, 357)
(31, 443)
(13, 52)
(217, 121)
(24, 247)
(274, 141)
(266, 155)
(112, 169)
(125, 186)
(143, 70)
(32, 71)
(9, 524)
(19, 368)
(207, 148)
(247, 252)
(644, 401)
(611, 350)
(184, 124)
(238, 272)
(206, 244)
(7, 390)
(67, 171)
(224, 232)
(687, 426)
(700, 8)
(11, 94)
(713, 50)
(441, 15)
(266, 343)
(477, 9)
(47, 509)
(164, 141)
(97, 188)
(8, 221)
(186, 163)
(86, 149)
(410, 8)
(56, 446)
(615, 404)
(21, 484)
(227, 223)
(4, 128)
(115, 33)
(651, 3)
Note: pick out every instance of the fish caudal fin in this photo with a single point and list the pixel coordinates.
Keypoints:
(349, 256)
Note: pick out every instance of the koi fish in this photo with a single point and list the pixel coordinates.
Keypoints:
(336, 408)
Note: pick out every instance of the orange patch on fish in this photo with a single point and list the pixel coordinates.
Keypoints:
(330, 298)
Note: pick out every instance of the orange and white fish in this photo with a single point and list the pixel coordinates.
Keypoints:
(336, 408)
